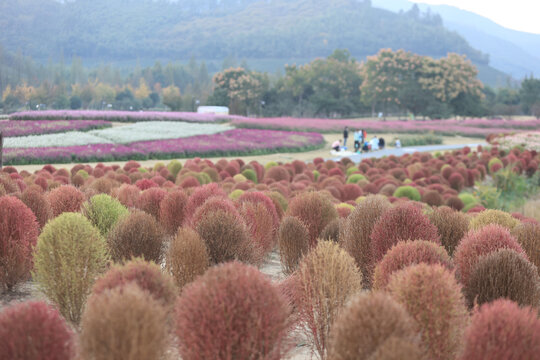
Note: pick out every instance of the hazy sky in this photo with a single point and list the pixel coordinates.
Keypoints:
(520, 15)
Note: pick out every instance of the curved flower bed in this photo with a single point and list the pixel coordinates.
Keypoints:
(526, 140)
(11, 128)
(120, 116)
(470, 127)
(228, 143)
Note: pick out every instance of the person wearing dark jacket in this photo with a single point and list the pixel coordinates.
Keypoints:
(345, 136)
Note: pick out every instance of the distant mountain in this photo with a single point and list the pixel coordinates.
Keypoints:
(514, 52)
(262, 31)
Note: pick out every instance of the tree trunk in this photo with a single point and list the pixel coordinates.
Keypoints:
(1, 148)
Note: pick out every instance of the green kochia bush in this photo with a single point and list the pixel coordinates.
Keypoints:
(69, 256)
(103, 212)
(354, 178)
(409, 192)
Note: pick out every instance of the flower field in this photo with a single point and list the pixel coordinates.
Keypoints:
(527, 140)
(11, 128)
(178, 257)
(231, 142)
(120, 116)
(469, 127)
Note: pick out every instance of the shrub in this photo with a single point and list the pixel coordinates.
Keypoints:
(37, 202)
(528, 236)
(481, 242)
(455, 203)
(409, 192)
(128, 195)
(495, 164)
(406, 253)
(456, 181)
(211, 205)
(250, 174)
(136, 235)
(468, 199)
(260, 225)
(334, 230)
(259, 197)
(70, 255)
(357, 230)
(277, 173)
(327, 277)
(314, 210)
(150, 201)
(33, 330)
(124, 323)
(293, 243)
(403, 222)
(103, 212)
(18, 235)
(147, 275)
(187, 257)
(451, 226)
(432, 198)
(174, 167)
(247, 301)
(502, 330)
(370, 325)
(199, 197)
(431, 295)
(503, 274)
(65, 198)
(492, 216)
(226, 238)
(355, 178)
(172, 211)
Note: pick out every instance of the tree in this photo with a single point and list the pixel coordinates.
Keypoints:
(530, 94)
(172, 98)
(242, 89)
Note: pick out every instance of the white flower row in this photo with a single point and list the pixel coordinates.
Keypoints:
(141, 131)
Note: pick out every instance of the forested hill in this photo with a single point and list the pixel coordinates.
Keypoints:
(117, 30)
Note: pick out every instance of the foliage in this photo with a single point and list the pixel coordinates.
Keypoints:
(409, 192)
(33, 330)
(187, 257)
(481, 242)
(69, 256)
(327, 277)
(407, 253)
(502, 330)
(37, 202)
(172, 211)
(403, 222)
(528, 236)
(247, 300)
(18, 236)
(369, 325)
(293, 240)
(420, 140)
(491, 216)
(451, 226)
(104, 212)
(65, 198)
(150, 201)
(503, 274)
(136, 235)
(357, 231)
(146, 275)
(432, 296)
(124, 323)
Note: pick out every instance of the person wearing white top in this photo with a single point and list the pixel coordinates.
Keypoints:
(374, 144)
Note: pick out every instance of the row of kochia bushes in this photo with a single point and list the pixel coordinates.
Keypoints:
(384, 278)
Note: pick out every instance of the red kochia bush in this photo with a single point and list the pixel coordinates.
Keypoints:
(37, 202)
(406, 253)
(252, 321)
(403, 222)
(33, 330)
(147, 275)
(481, 242)
(145, 184)
(18, 235)
(259, 197)
(200, 195)
(172, 211)
(65, 198)
(501, 330)
(150, 201)
(127, 194)
(456, 181)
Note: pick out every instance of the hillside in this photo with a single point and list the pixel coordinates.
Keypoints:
(112, 30)
(514, 52)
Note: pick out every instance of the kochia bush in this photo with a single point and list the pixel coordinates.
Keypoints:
(103, 212)
(247, 301)
(409, 192)
(493, 216)
(69, 256)
(18, 235)
(37, 202)
(65, 198)
(33, 330)
(528, 236)
(371, 324)
(172, 211)
(451, 225)
(293, 241)
(432, 296)
(502, 330)
(403, 222)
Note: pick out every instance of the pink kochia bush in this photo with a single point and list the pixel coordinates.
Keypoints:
(34, 330)
(18, 235)
(65, 198)
(232, 312)
(403, 222)
(481, 242)
(501, 330)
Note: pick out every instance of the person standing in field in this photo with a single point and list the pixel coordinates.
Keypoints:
(357, 140)
(345, 136)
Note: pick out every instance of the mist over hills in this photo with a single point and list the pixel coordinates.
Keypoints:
(268, 33)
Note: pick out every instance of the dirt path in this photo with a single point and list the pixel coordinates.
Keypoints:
(278, 157)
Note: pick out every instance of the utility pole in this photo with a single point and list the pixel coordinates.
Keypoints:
(1, 148)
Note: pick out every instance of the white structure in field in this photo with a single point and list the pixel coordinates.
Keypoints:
(218, 110)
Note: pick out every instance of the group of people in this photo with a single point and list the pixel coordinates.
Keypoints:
(361, 143)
